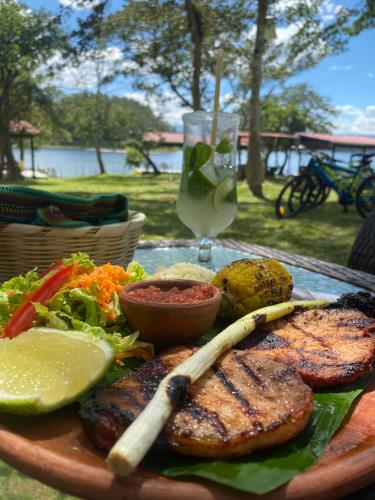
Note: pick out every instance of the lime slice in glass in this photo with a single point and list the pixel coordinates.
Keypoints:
(43, 369)
(222, 192)
(211, 174)
(202, 182)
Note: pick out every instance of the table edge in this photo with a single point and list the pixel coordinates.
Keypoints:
(341, 273)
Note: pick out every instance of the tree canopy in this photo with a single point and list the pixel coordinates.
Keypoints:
(296, 108)
(126, 119)
(27, 39)
(168, 48)
(172, 43)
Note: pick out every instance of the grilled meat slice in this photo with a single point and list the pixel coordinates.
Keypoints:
(243, 403)
(326, 346)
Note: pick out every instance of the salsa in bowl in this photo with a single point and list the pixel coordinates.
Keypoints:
(170, 312)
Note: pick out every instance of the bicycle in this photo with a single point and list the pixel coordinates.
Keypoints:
(354, 184)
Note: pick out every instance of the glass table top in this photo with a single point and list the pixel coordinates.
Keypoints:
(151, 259)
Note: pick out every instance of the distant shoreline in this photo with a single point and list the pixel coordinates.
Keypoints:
(80, 148)
(160, 150)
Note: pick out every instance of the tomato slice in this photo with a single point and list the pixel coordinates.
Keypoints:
(25, 314)
(53, 267)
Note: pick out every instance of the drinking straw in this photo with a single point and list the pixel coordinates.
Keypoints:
(219, 67)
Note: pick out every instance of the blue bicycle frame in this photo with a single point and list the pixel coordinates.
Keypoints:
(317, 165)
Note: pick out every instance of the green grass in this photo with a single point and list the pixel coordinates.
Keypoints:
(325, 232)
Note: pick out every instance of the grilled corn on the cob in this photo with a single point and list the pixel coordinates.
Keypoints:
(250, 284)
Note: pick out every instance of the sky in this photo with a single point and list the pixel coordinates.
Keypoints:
(347, 79)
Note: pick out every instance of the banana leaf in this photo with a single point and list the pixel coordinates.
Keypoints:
(264, 471)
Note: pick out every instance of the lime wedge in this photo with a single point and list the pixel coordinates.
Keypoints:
(223, 192)
(43, 369)
(202, 182)
(209, 172)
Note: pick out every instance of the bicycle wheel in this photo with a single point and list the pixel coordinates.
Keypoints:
(319, 190)
(322, 192)
(294, 197)
(315, 191)
(365, 196)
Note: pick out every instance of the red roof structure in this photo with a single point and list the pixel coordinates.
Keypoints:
(23, 128)
(325, 141)
(20, 130)
(167, 138)
(274, 137)
(175, 139)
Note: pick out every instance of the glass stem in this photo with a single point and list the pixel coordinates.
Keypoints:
(204, 251)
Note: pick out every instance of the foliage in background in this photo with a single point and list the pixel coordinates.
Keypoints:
(27, 39)
(297, 108)
(365, 19)
(309, 38)
(125, 119)
(172, 43)
(123, 123)
(169, 48)
(303, 39)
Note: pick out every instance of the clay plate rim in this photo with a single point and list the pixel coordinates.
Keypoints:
(55, 450)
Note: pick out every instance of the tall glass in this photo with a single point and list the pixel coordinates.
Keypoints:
(207, 198)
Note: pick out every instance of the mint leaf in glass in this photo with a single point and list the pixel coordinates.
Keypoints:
(224, 147)
(200, 155)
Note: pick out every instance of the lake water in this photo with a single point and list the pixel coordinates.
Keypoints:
(63, 162)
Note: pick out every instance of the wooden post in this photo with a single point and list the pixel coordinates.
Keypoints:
(32, 156)
(22, 152)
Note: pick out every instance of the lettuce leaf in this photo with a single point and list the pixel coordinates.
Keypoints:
(81, 260)
(12, 293)
(137, 273)
(119, 342)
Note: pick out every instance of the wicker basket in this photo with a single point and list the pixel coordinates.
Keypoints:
(23, 246)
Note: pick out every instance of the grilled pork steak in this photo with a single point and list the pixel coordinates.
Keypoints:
(243, 403)
(326, 346)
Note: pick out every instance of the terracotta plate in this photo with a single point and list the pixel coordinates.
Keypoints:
(55, 450)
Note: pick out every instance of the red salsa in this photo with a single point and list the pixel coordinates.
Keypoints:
(196, 293)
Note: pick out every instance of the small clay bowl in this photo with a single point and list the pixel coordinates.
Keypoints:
(169, 324)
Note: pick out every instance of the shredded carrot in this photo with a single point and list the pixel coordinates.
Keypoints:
(106, 280)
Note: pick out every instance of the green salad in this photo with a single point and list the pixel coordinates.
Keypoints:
(74, 294)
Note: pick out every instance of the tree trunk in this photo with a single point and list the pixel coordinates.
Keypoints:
(195, 25)
(100, 160)
(255, 168)
(147, 157)
(2, 158)
(13, 171)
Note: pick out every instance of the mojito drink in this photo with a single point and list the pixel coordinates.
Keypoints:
(207, 200)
